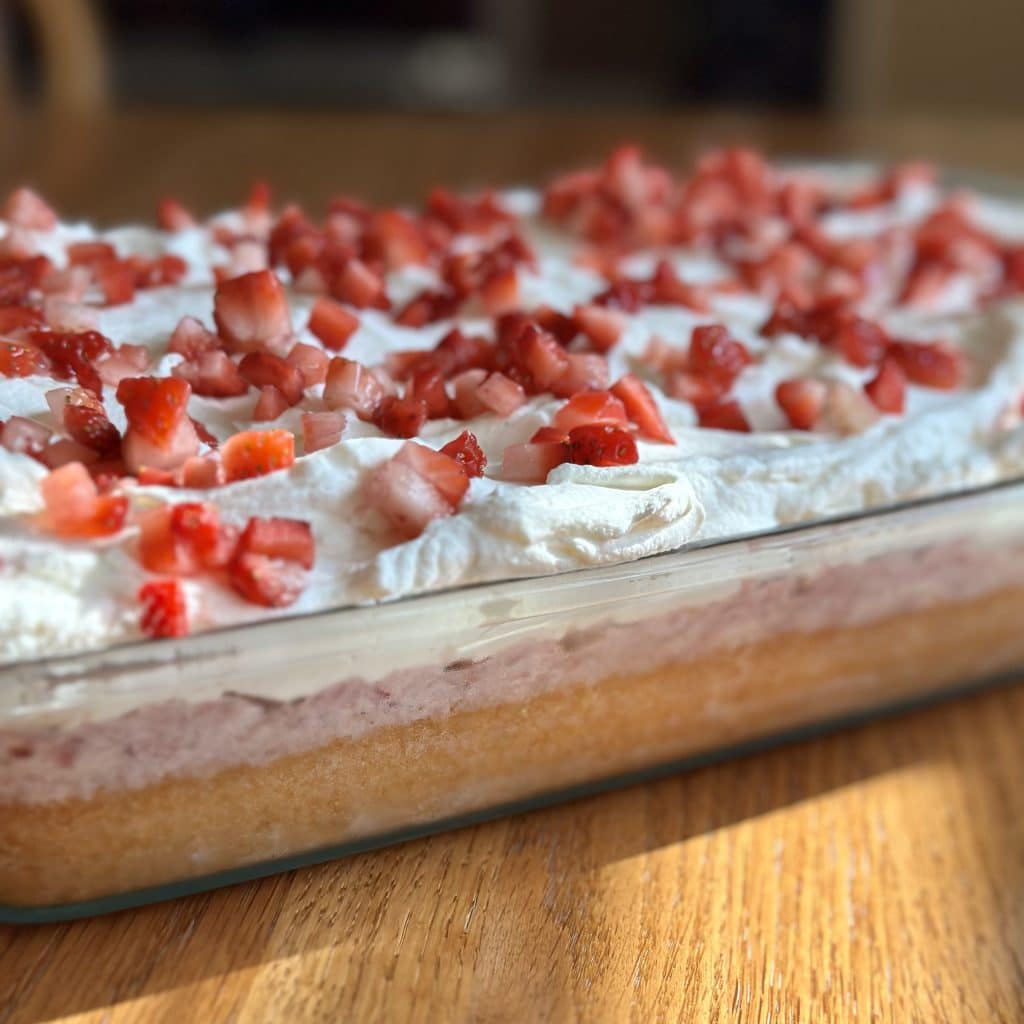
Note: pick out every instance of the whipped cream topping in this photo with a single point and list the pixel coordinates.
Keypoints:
(58, 597)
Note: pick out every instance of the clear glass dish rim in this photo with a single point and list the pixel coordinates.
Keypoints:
(726, 545)
(997, 185)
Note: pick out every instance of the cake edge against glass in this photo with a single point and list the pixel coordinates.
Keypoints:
(438, 768)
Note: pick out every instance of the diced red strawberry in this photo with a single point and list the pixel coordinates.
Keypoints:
(926, 284)
(713, 350)
(802, 399)
(60, 452)
(190, 339)
(601, 444)
(699, 389)
(126, 361)
(466, 450)
(138, 451)
(149, 477)
(261, 369)
(74, 354)
(201, 472)
(427, 384)
(212, 375)
(401, 417)
(500, 292)
(321, 430)
(19, 359)
(456, 352)
(407, 500)
(359, 286)
(172, 216)
(541, 357)
(270, 404)
(75, 509)
(26, 209)
(587, 371)
(87, 254)
(12, 318)
(723, 416)
(69, 317)
(183, 539)
(501, 395)
(888, 388)
(21, 277)
(393, 238)
(117, 282)
(288, 539)
(251, 312)
(465, 388)
(271, 582)
(25, 436)
(448, 476)
(350, 385)
(931, 364)
(531, 463)
(256, 453)
(668, 288)
(154, 406)
(164, 609)
(310, 361)
(862, 342)
(591, 407)
(641, 408)
(84, 419)
(542, 435)
(603, 327)
(332, 323)
(848, 410)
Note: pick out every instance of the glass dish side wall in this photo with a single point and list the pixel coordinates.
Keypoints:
(148, 764)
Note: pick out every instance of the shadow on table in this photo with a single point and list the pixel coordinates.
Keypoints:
(457, 893)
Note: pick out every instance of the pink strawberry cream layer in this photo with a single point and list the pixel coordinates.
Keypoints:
(867, 347)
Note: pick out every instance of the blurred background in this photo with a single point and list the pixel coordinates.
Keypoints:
(472, 55)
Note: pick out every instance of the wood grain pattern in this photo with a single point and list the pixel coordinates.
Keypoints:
(877, 875)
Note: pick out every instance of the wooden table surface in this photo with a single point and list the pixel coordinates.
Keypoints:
(876, 875)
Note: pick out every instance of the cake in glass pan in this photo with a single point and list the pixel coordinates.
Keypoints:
(241, 421)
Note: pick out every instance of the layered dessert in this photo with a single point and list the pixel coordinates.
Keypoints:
(263, 415)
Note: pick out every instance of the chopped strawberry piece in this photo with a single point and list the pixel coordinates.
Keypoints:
(164, 270)
(87, 254)
(310, 361)
(587, 371)
(261, 369)
(181, 540)
(560, 325)
(448, 476)
(61, 452)
(601, 444)
(75, 509)
(428, 307)
(932, 364)
(713, 350)
(802, 400)
(540, 357)
(359, 286)
(926, 284)
(862, 342)
(22, 360)
(321, 430)
(12, 318)
(668, 288)
(68, 316)
(212, 375)
(723, 416)
(888, 389)
(251, 312)
(500, 292)
(26, 209)
(256, 453)
(288, 539)
(848, 410)
(73, 354)
(164, 609)
(19, 278)
(501, 395)
(190, 338)
(126, 361)
(148, 476)
(603, 327)
(270, 404)
(271, 582)
(699, 389)
(642, 409)
(531, 463)
(466, 450)
(332, 324)
(117, 282)
(456, 352)
(401, 417)
(591, 407)
(350, 385)
(22, 435)
(394, 239)
(154, 406)
(84, 419)
(542, 435)
(427, 383)
(465, 388)
(172, 216)
(201, 472)
(407, 500)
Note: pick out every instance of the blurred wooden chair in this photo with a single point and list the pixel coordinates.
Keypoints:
(70, 44)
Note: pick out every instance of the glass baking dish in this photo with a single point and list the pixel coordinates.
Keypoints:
(152, 770)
